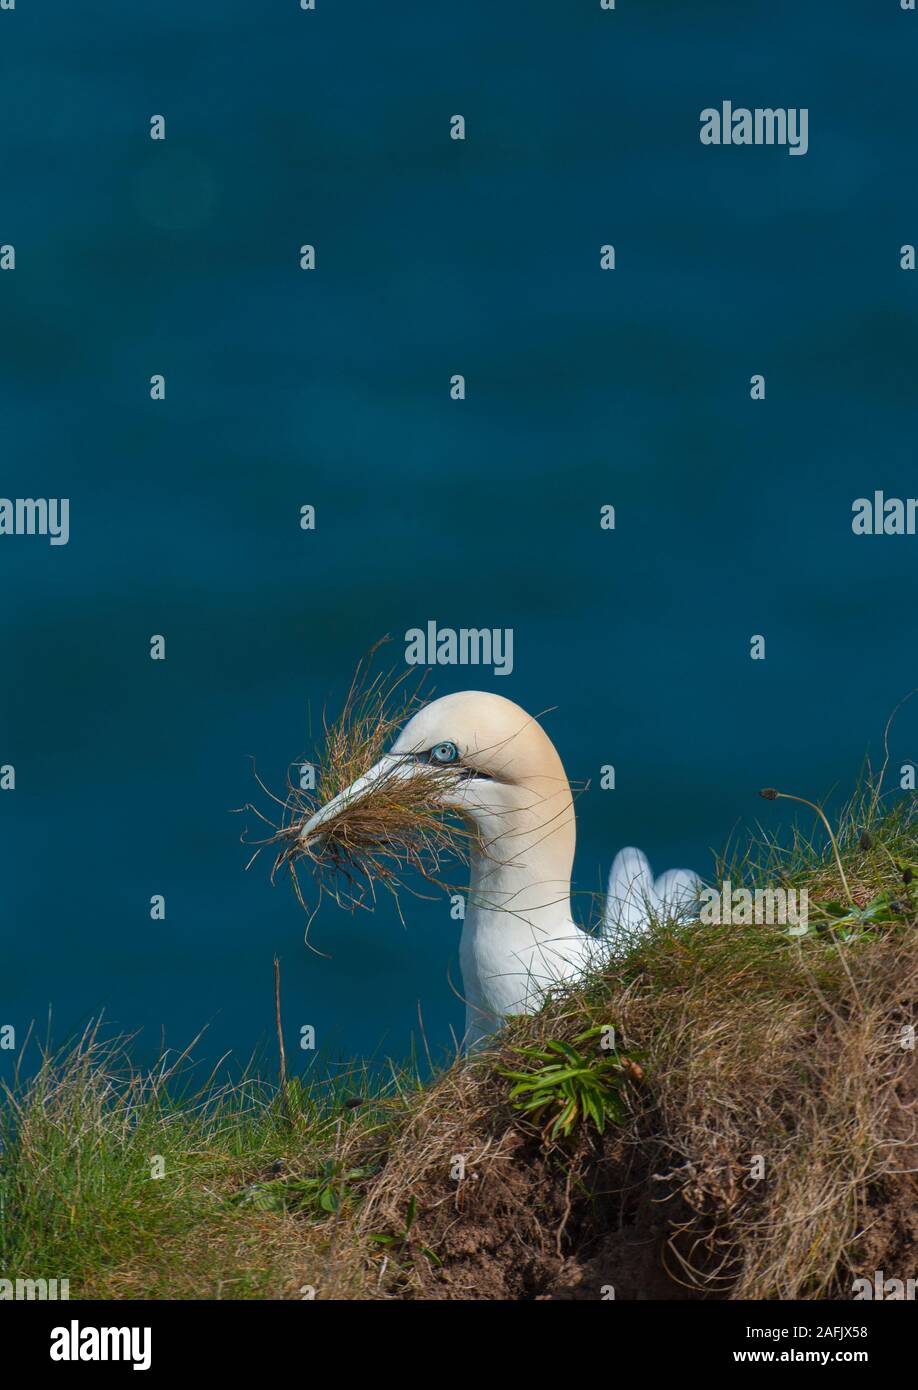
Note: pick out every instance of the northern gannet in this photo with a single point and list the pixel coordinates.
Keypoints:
(509, 786)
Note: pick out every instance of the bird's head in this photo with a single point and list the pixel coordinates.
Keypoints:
(501, 772)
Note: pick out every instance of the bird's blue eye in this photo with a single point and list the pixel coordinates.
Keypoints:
(444, 753)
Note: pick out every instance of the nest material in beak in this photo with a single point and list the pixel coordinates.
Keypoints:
(377, 834)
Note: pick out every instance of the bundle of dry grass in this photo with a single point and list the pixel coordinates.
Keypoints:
(402, 828)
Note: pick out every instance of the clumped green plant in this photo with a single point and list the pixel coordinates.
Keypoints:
(564, 1085)
(324, 1192)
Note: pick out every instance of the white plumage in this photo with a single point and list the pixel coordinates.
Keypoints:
(633, 896)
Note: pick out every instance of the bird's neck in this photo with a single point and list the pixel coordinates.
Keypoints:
(521, 862)
(518, 904)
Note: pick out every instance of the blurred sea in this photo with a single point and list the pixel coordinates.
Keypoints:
(332, 388)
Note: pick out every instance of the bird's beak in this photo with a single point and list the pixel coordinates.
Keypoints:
(390, 766)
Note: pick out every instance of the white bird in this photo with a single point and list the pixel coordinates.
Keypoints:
(519, 936)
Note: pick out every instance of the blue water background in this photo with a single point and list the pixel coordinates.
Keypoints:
(331, 127)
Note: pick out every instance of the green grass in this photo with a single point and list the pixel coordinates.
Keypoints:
(135, 1183)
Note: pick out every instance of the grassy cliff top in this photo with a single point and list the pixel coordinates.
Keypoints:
(726, 1110)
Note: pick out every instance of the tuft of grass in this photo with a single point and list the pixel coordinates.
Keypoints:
(568, 1086)
(380, 840)
(145, 1183)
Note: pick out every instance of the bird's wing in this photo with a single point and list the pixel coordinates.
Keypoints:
(676, 894)
(630, 899)
(633, 897)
